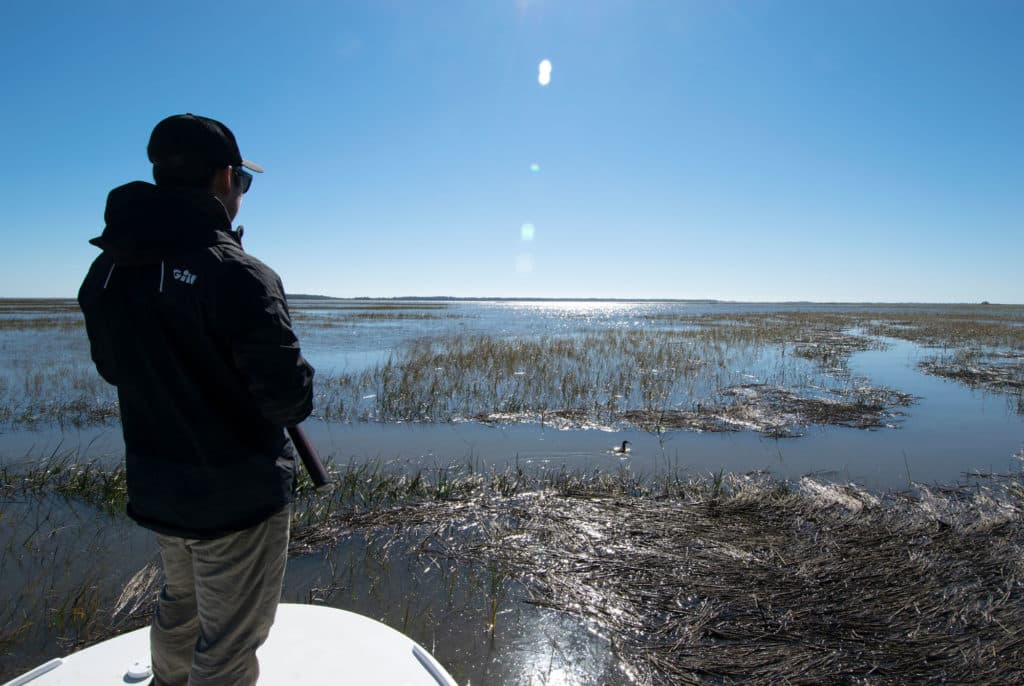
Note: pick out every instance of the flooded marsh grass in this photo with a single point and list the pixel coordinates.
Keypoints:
(300, 305)
(41, 315)
(994, 371)
(63, 561)
(780, 413)
(525, 573)
(673, 371)
(652, 379)
(982, 346)
(955, 330)
(68, 324)
(949, 326)
(724, 579)
(36, 306)
(332, 320)
(64, 396)
(90, 483)
(740, 579)
(77, 571)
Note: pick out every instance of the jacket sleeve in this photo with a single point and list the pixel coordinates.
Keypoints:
(90, 300)
(263, 347)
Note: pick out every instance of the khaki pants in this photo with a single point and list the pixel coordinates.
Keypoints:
(218, 604)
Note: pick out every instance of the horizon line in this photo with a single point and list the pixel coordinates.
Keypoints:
(705, 301)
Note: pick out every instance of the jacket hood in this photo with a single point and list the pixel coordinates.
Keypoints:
(146, 222)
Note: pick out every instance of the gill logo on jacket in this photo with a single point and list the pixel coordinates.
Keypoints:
(185, 276)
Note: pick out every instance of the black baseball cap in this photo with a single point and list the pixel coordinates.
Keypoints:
(189, 141)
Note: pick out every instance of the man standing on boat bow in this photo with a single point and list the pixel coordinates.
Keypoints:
(196, 335)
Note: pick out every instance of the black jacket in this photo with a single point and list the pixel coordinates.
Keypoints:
(197, 338)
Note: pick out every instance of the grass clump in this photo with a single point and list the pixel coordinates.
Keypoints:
(102, 487)
(993, 372)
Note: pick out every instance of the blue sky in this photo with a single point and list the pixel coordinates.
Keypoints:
(858, 151)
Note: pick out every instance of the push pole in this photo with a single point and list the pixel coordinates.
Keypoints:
(310, 457)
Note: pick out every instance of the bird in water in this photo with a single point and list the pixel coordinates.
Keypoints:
(621, 449)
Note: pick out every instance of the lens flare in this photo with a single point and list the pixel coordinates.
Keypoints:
(544, 72)
(524, 263)
(535, 168)
(526, 232)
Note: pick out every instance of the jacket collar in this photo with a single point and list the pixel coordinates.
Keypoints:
(145, 222)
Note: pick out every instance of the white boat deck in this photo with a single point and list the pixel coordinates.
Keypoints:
(308, 644)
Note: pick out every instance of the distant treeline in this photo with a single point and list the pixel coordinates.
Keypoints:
(450, 298)
(697, 301)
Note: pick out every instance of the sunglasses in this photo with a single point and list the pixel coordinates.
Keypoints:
(244, 178)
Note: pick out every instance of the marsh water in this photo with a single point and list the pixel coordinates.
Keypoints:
(950, 431)
(495, 412)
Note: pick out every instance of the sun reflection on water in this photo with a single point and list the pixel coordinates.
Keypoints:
(582, 309)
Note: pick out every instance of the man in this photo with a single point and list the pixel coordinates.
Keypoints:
(197, 338)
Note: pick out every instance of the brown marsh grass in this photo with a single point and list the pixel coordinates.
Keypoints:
(299, 305)
(68, 324)
(323, 321)
(995, 326)
(38, 305)
(999, 372)
(727, 578)
(741, 579)
(954, 330)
